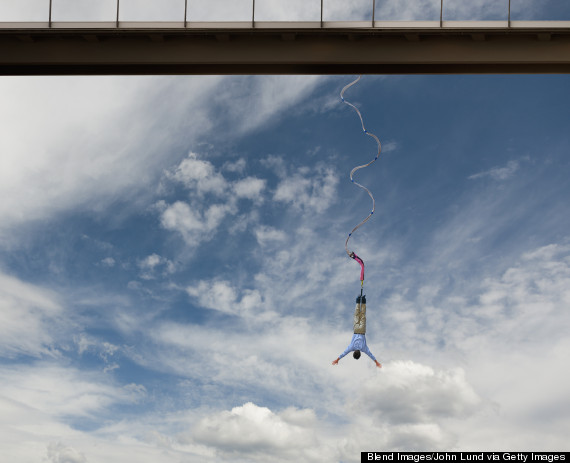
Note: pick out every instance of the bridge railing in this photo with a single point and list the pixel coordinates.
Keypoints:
(364, 13)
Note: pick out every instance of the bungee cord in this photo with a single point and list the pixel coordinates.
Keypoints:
(358, 341)
(352, 172)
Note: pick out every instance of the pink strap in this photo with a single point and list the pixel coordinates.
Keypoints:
(361, 262)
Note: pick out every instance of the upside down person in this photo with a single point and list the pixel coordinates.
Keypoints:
(358, 342)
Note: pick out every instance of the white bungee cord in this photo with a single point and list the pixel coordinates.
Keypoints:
(351, 253)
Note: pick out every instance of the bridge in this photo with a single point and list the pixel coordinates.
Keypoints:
(374, 45)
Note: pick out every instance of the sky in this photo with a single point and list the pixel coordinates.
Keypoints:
(174, 284)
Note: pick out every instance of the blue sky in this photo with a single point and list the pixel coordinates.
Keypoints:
(174, 286)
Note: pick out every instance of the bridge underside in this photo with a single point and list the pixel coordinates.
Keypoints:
(285, 48)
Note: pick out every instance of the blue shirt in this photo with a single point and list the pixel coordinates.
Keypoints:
(358, 342)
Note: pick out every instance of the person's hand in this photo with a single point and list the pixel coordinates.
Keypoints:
(335, 362)
(378, 364)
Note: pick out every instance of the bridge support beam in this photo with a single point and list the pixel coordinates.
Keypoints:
(469, 49)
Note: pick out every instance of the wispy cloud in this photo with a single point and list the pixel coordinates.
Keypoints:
(222, 296)
(30, 318)
(498, 173)
(87, 140)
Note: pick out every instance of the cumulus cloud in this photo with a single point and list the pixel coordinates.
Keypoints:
(199, 176)
(193, 225)
(250, 188)
(254, 432)
(195, 221)
(412, 393)
(308, 191)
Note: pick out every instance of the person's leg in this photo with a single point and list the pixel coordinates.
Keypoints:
(360, 316)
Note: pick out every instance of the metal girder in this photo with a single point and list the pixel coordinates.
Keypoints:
(419, 47)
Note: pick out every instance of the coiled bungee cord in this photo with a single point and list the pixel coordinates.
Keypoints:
(352, 172)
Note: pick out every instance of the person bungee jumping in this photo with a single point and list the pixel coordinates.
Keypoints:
(358, 341)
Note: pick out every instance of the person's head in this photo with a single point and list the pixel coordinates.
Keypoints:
(356, 354)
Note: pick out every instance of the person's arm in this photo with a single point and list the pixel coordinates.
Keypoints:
(367, 352)
(347, 350)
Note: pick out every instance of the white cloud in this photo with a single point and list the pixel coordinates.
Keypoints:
(409, 404)
(197, 222)
(409, 392)
(108, 262)
(250, 188)
(222, 296)
(389, 146)
(254, 432)
(276, 164)
(265, 235)
(193, 225)
(71, 160)
(152, 264)
(181, 217)
(236, 166)
(250, 103)
(199, 176)
(60, 453)
(39, 401)
(30, 318)
(498, 173)
(510, 331)
(59, 391)
(312, 193)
